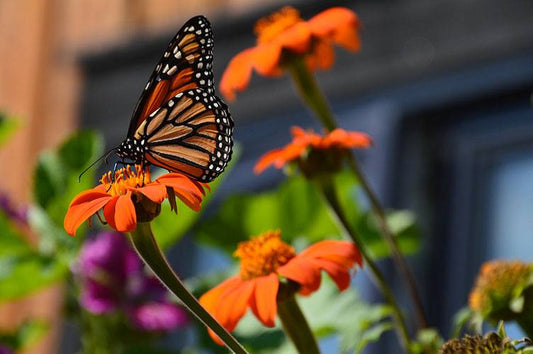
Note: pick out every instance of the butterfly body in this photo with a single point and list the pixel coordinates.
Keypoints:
(179, 123)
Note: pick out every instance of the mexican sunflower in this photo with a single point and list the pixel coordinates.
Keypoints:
(285, 33)
(304, 140)
(123, 196)
(266, 262)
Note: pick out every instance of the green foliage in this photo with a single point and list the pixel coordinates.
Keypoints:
(356, 322)
(8, 125)
(24, 336)
(55, 180)
(427, 340)
(23, 269)
(297, 208)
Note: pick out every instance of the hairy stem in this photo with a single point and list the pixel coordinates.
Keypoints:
(146, 246)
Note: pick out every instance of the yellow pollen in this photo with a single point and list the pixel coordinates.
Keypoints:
(263, 254)
(125, 178)
(269, 27)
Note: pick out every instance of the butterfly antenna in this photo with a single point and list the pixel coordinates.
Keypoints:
(106, 156)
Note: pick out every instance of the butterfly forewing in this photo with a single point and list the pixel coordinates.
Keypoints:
(191, 133)
(186, 64)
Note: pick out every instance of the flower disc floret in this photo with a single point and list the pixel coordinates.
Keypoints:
(497, 285)
(263, 255)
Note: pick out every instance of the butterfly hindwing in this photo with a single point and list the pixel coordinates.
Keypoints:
(190, 133)
(186, 64)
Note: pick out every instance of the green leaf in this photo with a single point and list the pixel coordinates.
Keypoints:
(22, 269)
(297, 208)
(169, 228)
(428, 340)
(26, 335)
(8, 125)
(55, 180)
(403, 225)
(357, 322)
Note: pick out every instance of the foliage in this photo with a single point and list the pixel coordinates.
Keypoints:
(297, 209)
(24, 336)
(8, 126)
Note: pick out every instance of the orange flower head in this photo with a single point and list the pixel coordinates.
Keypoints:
(263, 255)
(269, 28)
(284, 35)
(322, 153)
(130, 196)
(497, 285)
(266, 264)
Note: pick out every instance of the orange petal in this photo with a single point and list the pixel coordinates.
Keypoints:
(338, 24)
(303, 272)
(212, 300)
(237, 74)
(296, 38)
(120, 213)
(266, 59)
(342, 252)
(109, 212)
(322, 57)
(154, 191)
(82, 207)
(268, 159)
(263, 303)
(342, 138)
(336, 271)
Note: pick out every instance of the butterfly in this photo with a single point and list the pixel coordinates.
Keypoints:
(179, 123)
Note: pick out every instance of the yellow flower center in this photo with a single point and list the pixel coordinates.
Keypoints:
(269, 27)
(262, 255)
(125, 178)
(497, 281)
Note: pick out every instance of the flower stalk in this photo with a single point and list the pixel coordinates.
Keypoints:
(314, 97)
(311, 93)
(146, 246)
(296, 327)
(328, 190)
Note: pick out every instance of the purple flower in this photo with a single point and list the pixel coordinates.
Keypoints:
(113, 278)
(19, 215)
(5, 350)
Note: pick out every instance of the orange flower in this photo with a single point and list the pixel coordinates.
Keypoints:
(285, 32)
(116, 197)
(302, 141)
(264, 259)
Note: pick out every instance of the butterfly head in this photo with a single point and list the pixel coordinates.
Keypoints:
(132, 149)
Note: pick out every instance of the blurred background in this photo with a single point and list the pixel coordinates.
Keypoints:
(444, 88)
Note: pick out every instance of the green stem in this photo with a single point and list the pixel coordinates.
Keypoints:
(328, 190)
(310, 92)
(296, 326)
(316, 100)
(145, 244)
(390, 238)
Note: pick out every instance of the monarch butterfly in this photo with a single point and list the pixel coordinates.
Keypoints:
(179, 123)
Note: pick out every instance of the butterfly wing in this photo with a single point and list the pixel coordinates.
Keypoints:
(190, 133)
(185, 65)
